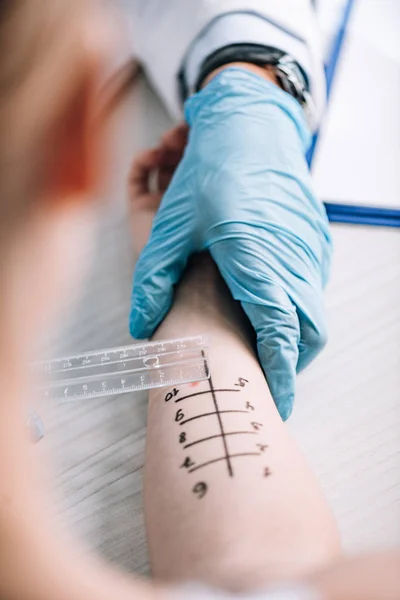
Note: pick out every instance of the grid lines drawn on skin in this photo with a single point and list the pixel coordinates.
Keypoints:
(217, 431)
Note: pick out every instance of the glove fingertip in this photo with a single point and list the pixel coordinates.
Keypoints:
(146, 315)
(278, 357)
(285, 406)
(139, 325)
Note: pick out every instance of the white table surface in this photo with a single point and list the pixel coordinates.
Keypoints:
(347, 416)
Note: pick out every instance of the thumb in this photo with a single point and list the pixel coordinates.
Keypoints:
(159, 268)
(277, 327)
(270, 311)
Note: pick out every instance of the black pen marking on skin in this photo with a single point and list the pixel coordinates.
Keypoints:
(217, 412)
(223, 435)
(221, 426)
(209, 462)
(205, 392)
(211, 437)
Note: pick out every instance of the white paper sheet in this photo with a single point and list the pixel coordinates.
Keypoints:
(358, 155)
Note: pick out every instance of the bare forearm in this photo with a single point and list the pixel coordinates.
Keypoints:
(229, 499)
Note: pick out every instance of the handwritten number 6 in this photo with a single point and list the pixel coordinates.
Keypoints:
(179, 415)
(242, 382)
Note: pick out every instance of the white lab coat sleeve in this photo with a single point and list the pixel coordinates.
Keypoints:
(172, 34)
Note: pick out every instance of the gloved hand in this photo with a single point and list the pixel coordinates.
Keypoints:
(243, 192)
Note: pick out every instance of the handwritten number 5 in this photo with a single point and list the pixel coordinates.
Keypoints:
(241, 382)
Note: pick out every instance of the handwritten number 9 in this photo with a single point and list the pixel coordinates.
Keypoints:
(200, 489)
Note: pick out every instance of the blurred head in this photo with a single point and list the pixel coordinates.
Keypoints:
(52, 53)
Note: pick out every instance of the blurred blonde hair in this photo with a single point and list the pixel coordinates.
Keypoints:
(41, 65)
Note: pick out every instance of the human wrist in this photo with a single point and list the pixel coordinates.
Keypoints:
(203, 304)
(201, 280)
(266, 72)
(200, 296)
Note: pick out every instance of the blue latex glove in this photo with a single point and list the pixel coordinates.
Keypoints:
(243, 191)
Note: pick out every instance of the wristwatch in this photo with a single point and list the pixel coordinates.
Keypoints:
(289, 73)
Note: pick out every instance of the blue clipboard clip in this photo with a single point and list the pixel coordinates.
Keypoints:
(355, 214)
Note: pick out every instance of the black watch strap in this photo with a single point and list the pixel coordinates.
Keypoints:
(251, 53)
(256, 54)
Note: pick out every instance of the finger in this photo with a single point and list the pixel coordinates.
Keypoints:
(271, 313)
(277, 328)
(164, 176)
(313, 331)
(157, 272)
(168, 165)
(175, 138)
(160, 266)
(307, 296)
(167, 154)
(169, 157)
(140, 171)
(145, 162)
(151, 174)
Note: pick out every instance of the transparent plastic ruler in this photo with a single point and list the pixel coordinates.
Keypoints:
(126, 369)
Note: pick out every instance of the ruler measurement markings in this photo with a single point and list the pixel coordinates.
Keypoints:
(183, 359)
(124, 369)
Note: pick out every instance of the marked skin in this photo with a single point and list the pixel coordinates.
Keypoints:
(229, 498)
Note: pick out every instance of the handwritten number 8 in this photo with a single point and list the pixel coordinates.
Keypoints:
(200, 489)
